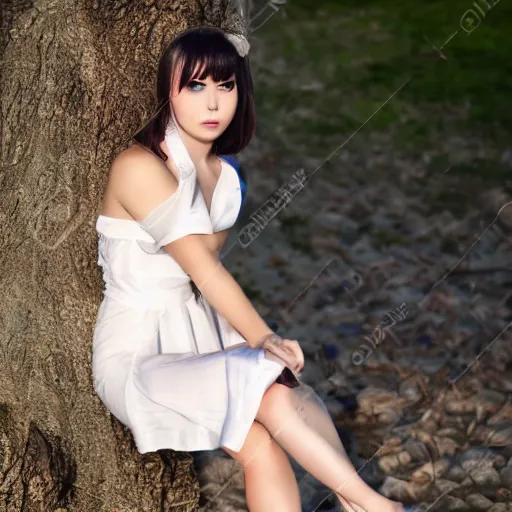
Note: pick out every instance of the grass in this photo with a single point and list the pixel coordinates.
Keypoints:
(367, 49)
(331, 65)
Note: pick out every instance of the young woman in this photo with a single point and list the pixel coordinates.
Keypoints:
(180, 355)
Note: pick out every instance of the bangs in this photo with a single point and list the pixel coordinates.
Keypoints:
(199, 59)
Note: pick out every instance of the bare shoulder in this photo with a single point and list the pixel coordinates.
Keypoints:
(136, 166)
(140, 180)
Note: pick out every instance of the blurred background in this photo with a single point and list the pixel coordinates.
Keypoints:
(392, 266)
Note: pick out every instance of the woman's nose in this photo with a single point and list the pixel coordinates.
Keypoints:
(213, 101)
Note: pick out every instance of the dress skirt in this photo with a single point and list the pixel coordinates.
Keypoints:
(167, 367)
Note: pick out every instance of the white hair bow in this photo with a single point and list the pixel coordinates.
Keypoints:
(240, 43)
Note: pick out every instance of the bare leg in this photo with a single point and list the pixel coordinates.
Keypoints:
(270, 483)
(305, 430)
(319, 419)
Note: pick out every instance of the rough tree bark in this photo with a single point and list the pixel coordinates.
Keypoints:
(77, 82)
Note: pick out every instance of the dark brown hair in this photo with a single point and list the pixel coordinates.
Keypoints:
(192, 49)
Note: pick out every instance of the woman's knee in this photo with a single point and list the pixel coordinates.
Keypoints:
(274, 400)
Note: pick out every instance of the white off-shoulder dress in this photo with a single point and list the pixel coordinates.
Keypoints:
(162, 362)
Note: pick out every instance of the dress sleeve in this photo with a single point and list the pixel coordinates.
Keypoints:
(172, 219)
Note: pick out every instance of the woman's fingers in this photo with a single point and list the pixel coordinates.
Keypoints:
(284, 354)
(300, 357)
(290, 355)
(290, 352)
(294, 348)
(290, 347)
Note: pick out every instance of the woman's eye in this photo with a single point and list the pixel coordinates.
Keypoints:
(229, 85)
(191, 85)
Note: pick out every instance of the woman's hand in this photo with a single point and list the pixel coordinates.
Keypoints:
(289, 351)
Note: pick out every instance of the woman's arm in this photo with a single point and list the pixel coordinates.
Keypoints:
(218, 286)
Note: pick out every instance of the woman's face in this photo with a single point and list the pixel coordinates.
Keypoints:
(205, 100)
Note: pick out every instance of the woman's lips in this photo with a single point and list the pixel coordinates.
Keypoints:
(211, 124)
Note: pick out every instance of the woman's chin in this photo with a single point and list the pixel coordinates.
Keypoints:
(207, 135)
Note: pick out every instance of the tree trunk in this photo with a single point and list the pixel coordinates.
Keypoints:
(77, 81)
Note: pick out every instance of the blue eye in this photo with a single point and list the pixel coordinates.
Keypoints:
(193, 84)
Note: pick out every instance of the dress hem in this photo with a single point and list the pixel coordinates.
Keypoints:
(267, 372)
